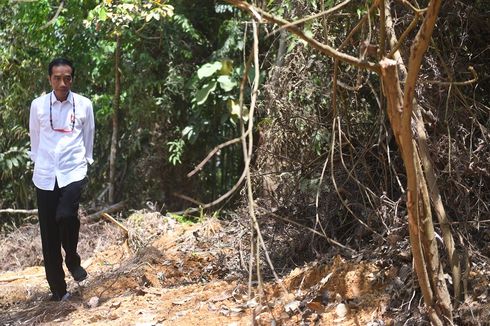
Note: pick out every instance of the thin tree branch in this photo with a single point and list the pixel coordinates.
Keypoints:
(114, 221)
(417, 51)
(415, 9)
(110, 209)
(359, 25)
(214, 151)
(404, 35)
(449, 83)
(55, 17)
(215, 202)
(320, 14)
(418, 48)
(244, 172)
(382, 29)
(323, 48)
(323, 235)
(248, 153)
(192, 200)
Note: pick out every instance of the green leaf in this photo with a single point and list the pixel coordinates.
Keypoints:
(308, 33)
(234, 109)
(226, 83)
(188, 132)
(292, 43)
(15, 162)
(208, 69)
(102, 14)
(203, 93)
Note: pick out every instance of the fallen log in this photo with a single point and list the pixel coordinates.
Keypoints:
(93, 216)
(107, 210)
(19, 277)
(19, 211)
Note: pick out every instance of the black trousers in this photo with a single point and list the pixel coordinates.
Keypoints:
(59, 223)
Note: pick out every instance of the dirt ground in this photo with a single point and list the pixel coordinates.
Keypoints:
(183, 275)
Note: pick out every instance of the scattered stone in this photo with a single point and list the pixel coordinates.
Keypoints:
(93, 302)
(341, 310)
(292, 306)
(116, 305)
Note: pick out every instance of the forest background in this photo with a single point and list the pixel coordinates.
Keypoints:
(167, 82)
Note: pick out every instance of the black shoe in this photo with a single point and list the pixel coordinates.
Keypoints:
(79, 274)
(58, 297)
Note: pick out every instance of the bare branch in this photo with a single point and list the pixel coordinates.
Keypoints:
(214, 151)
(382, 29)
(404, 35)
(323, 48)
(242, 138)
(417, 51)
(449, 83)
(217, 201)
(192, 200)
(113, 220)
(415, 9)
(323, 235)
(55, 17)
(320, 14)
(359, 25)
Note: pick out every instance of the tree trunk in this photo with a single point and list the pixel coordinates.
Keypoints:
(401, 105)
(454, 256)
(402, 113)
(421, 230)
(115, 120)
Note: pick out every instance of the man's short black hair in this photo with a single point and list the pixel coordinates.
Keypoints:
(61, 62)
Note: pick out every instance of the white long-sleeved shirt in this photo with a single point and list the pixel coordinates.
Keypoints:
(61, 156)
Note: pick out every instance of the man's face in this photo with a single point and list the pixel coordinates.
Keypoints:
(60, 79)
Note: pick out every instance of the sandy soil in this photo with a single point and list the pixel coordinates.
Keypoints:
(179, 277)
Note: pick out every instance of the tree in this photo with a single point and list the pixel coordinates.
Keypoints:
(403, 113)
(112, 19)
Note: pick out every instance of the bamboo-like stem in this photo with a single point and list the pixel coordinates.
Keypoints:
(115, 119)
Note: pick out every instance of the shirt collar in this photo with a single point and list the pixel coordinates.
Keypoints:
(53, 98)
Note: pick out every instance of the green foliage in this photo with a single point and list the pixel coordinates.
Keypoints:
(184, 219)
(116, 16)
(212, 75)
(203, 93)
(176, 148)
(15, 166)
(12, 159)
(187, 28)
(170, 116)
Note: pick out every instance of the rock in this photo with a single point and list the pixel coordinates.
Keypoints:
(341, 310)
(116, 304)
(93, 302)
(292, 306)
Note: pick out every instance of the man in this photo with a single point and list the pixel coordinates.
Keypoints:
(61, 126)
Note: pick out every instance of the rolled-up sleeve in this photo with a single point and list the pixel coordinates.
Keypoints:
(89, 133)
(34, 131)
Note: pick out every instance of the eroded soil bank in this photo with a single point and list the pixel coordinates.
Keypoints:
(166, 273)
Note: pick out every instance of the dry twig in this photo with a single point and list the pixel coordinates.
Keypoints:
(113, 220)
